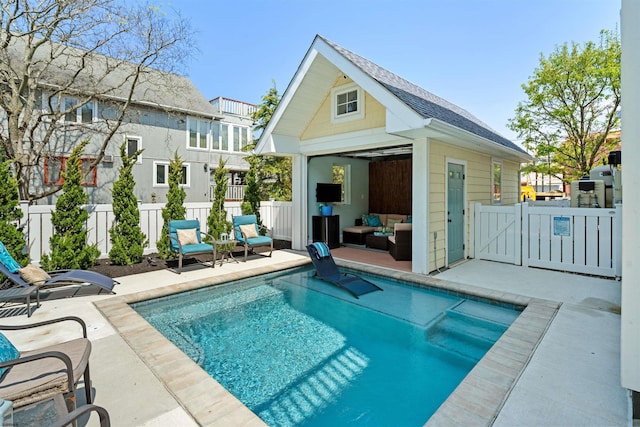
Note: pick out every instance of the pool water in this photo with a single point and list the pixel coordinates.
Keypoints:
(300, 352)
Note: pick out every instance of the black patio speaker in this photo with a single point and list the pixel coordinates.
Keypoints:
(615, 158)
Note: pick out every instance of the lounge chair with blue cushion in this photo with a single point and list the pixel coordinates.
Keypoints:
(248, 233)
(186, 239)
(32, 275)
(327, 270)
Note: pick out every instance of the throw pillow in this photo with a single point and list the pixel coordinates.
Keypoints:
(33, 274)
(364, 220)
(409, 220)
(392, 221)
(7, 352)
(187, 236)
(249, 230)
(374, 221)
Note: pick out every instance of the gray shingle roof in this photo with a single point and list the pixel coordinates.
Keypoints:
(424, 102)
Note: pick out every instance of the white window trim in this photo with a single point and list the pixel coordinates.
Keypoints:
(155, 174)
(495, 201)
(355, 115)
(206, 135)
(139, 139)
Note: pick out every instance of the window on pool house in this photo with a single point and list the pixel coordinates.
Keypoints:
(347, 103)
(496, 182)
(342, 176)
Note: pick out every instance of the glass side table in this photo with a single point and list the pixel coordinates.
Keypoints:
(225, 249)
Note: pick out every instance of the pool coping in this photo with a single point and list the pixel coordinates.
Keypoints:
(476, 401)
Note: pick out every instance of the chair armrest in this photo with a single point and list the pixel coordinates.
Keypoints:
(47, 354)
(47, 322)
(172, 239)
(78, 412)
(267, 230)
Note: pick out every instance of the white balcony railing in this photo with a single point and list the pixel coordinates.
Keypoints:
(231, 106)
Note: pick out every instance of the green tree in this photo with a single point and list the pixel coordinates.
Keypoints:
(69, 248)
(127, 238)
(84, 51)
(174, 208)
(11, 233)
(217, 221)
(251, 201)
(274, 172)
(573, 99)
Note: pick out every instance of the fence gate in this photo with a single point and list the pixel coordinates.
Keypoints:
(581, 240)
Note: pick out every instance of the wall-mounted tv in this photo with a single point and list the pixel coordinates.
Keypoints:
(328, 193)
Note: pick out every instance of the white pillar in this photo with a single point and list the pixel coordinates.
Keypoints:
(630, 325)
(299, 193)
(420, 207)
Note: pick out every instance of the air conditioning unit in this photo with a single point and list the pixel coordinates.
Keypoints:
(108, 158)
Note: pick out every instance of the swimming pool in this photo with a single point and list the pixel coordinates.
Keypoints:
(314, 355)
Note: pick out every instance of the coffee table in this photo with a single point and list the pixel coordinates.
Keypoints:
(378, 241)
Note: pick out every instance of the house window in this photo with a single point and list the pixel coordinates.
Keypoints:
(161, 174)
(134, 143)
(347, 103)
(236, 138)
(224, 137)
(215, 136)
(496, 182)
(197, 131)
(87, 113)
(54, 166)
(342, 175)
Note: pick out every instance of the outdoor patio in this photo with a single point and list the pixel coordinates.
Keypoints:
(573, 378)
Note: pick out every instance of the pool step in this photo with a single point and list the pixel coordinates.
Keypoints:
(464, 335)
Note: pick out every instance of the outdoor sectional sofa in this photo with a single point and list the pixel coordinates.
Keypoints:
(357, 234)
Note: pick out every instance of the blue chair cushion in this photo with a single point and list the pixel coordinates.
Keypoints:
(7, 259)
(244, 220)
(258, 241)
(7, 352)
(182, 224)
(199, 248)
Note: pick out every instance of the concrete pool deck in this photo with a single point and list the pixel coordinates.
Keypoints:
(572, 377)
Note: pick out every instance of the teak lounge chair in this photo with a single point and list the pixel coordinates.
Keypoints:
(247, 232)
(41, 374)
(327, 270)
(186, 239)
(10, 269)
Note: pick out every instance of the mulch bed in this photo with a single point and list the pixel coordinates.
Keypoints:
(153, 262)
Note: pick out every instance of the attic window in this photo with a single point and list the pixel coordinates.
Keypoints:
(347, 103)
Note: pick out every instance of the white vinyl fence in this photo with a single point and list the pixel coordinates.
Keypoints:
(38, 228)
(580, 240)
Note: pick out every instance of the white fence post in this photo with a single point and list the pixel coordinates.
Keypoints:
(617, 241)
(524, 232)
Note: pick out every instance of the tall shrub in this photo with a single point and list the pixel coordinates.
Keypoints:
(11, 233)
(69, 248)
(127, 239)
(217, 222)
(174, 208)
(251, 201)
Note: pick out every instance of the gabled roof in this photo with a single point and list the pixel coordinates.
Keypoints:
(408, 105)
(108, 78)
(422, 101)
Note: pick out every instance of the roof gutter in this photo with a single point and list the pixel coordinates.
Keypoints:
(488, 145)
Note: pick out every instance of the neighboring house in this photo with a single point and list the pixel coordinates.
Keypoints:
(167, 115)
(342, 113)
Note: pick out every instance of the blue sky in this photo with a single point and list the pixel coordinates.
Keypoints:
(474, 53)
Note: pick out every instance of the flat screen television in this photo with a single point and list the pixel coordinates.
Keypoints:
(328, 193)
